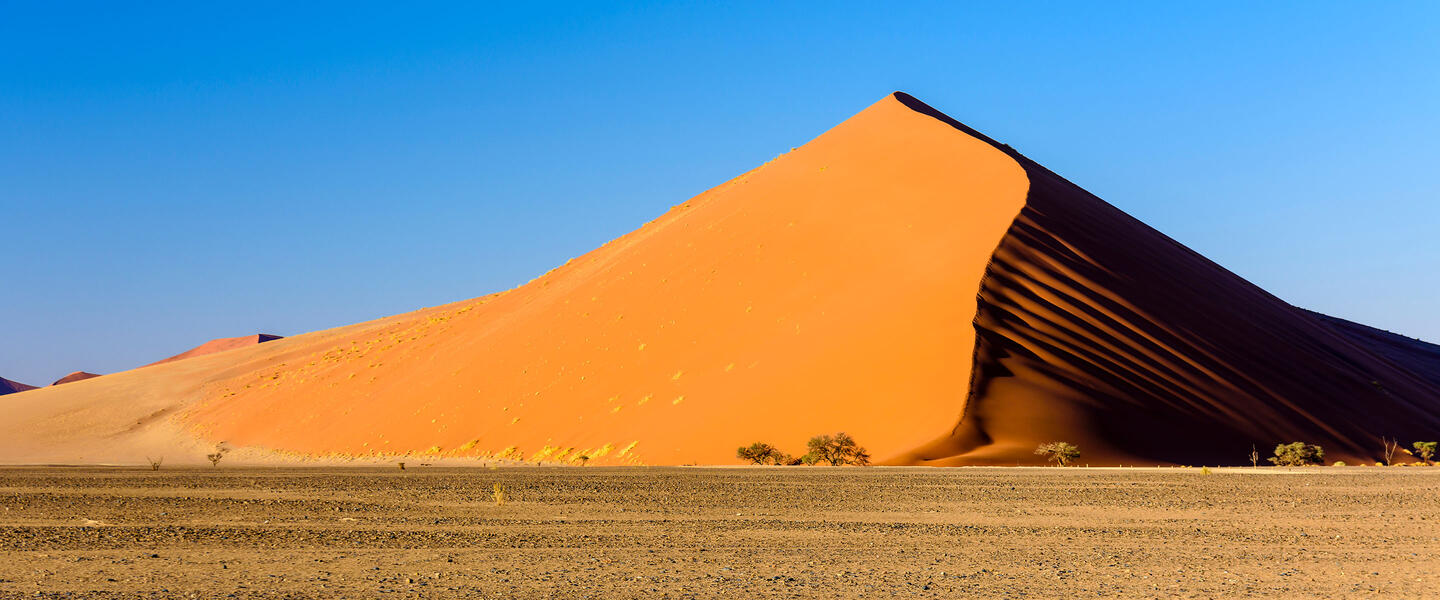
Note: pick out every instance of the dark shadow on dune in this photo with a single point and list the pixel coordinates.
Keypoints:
(1094, 324)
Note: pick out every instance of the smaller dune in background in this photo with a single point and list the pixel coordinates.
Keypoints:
(220, 345)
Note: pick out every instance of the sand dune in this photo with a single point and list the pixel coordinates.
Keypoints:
(900, 277)
(11, 387)
(220, 345)
(75, 376)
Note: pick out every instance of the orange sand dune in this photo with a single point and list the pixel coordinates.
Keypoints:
(901, 277)
(11, 387)
(220, 345)
(76, 376)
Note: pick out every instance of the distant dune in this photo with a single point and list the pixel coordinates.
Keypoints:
(73, 377)
(220, 345)
(901, 277)
(11, 387)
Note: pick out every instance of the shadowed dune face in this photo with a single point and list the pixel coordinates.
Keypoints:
(76, 376)
(220, 345)
(11, 387)
(901, 277)
(1096, 329)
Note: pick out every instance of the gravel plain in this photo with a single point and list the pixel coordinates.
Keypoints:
(792, 532)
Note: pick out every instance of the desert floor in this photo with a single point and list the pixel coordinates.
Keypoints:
(718, 532)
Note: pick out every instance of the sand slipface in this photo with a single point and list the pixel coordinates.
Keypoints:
(901, 277)
(220, 345)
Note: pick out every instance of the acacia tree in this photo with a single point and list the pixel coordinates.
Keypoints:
(1298, 454)
(1061, 453)
(838, 449)
(1426, 450)
(762, 453)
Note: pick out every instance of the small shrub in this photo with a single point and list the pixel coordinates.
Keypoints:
(838, 449)
(1425, 450)
(499, 495)
(1379, 464)
(155, 462)
(1338, 463)
(1204, 470)
(402, 466)
(1298, 454)
(219, 453)
(1060, 453)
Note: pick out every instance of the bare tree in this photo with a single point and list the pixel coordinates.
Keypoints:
(155, 462)
(1389, 445)
(1254, 456)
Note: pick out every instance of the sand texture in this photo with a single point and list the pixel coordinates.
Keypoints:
(901, 277)
(718, 533)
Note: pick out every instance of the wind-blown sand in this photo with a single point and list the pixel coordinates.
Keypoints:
(903, 278)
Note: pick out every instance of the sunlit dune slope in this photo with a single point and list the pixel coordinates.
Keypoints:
(901, 277)
(220, 345)
(11, 387)
(832, 288)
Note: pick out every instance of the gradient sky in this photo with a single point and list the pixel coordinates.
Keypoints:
(175, 173)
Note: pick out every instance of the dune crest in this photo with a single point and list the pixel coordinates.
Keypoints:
(901, 277)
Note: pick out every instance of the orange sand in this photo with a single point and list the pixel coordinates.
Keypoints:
(901, 277)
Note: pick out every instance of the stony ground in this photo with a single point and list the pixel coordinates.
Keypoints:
(713, 533)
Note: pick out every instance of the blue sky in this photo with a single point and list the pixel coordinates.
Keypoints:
(171, 173)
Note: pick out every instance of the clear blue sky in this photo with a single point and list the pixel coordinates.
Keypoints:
(175, 173)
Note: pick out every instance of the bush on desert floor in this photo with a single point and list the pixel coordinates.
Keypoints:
(155, 462)
(219, 453)
(1425, 450)
(761, 453)
(1298, 454)
(1060, 453)
(499, 496)
(1339, 463)
(838, 449)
